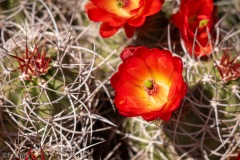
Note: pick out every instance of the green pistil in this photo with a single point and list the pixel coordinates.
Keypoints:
(149, 84)
(203, 23)
(150, 87)
(122, 3)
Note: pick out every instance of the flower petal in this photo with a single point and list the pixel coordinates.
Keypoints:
(115, 80)
(96, 14)
(151, 116)
(129, 51)
(152, 7)
(128, 101)
(129, 30)
(137, 22)
(178, 66)
(113, 8)
(161, 65)
(107, 31)
(135, 71)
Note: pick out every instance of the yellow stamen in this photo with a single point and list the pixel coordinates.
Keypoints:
(203, 23)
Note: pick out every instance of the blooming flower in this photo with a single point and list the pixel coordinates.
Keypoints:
(229, 69)
(32, 63)
(148, 83)
(195, 20)
(115, 14)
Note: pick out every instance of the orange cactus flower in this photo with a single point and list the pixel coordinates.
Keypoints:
(196, 20)
(115, 14)
(148, 83)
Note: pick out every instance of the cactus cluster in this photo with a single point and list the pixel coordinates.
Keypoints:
(56, 101)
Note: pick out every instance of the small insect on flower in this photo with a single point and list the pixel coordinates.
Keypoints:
(148, 83)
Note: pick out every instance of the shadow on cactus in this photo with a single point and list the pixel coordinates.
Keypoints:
(193, 131)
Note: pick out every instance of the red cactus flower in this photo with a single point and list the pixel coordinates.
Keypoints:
(148, 83)
(229, 69)
(195, 20)
(115, 14)
(33, 63)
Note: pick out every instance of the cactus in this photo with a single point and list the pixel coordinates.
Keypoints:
(56, 101)
(48, 84)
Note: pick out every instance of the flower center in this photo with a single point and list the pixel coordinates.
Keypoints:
(203, 23)
(150, 86)
(122, 3)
